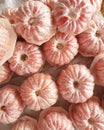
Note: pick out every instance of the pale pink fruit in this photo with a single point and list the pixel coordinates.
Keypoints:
(11, 105)
(72, 16)
(55, 118)
(27, 59)
(39, 91)
(5, 73)
(97, 17)
(96, 5)
(34, 22)
(75, 83)
(7, 40)
(9, 13)
(60, 49)
(88, 115)
(91, 41)
(97, 69)
(49, 3)
(25, 123)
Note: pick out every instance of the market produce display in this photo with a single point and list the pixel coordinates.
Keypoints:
(52, 65)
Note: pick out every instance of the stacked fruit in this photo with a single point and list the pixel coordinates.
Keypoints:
(41, 41)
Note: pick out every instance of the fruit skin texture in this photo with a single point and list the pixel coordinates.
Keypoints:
(49, 3)
(97, 69)
(39, 91)
(88, 115)
(91, 41)
(60, 49)
(27, 59)
(34, 22)
(5, 73)
(7, 43)
(54, 118)
(9, 13)
(11, 105)
(75, 83)
(96, 5)
(72, 16)
(25, 123)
